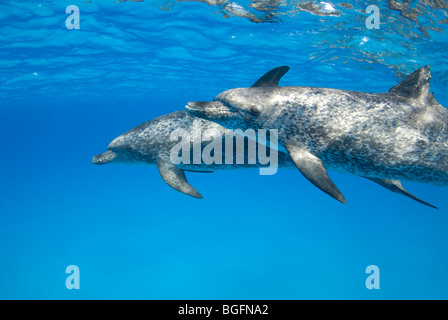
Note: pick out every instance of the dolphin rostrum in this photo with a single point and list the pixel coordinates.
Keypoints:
(385, 137)
(151, 143)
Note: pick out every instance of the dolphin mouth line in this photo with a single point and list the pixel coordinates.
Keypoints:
(188, 107)
(229, 107)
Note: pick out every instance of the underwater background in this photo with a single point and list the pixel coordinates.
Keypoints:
(66, 93)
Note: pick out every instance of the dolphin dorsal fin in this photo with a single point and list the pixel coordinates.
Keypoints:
(415, 86)
(271, 78)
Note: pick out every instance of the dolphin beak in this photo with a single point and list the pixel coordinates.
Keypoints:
(105, 157)
(206, 108)
(198, 105)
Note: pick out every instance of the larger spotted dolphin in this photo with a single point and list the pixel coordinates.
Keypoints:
(386, 137)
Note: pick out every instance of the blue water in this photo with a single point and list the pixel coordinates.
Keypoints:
(65, 94)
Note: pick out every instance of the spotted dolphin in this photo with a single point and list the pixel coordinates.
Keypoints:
(150, 144)
(386, 137)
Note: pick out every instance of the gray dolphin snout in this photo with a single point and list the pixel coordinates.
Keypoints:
(196, 105)
(205, 105)
(208, 109)
(105, 157)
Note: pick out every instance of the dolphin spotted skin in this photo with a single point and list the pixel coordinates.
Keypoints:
(385, 137)
(149, 144)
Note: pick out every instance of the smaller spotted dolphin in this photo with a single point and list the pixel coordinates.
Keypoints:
(385, 137)
(150, 144)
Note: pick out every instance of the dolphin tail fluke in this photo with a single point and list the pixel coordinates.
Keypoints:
(175, 178)
(314, 170)
(395, 186)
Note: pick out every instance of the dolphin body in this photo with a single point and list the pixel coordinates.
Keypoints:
(385, 137)
(150, 144)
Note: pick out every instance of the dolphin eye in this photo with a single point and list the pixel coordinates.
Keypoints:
(254, 110)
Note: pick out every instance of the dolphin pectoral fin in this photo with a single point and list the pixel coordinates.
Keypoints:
(314, 170)
(271, 78)
(175, 178)
(395, 186)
